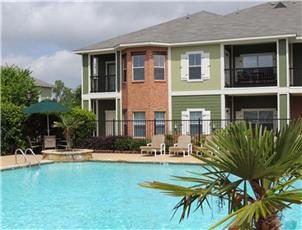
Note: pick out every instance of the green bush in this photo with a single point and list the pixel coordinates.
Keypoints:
(12, 135)
(122, 143)
(137, 143)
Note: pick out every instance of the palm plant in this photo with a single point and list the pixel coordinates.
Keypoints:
(69, 123)
(251, 168)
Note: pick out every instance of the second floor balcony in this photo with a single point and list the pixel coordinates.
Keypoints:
(102, 84)
(251, 77)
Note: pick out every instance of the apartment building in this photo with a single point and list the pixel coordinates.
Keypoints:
(243, 65)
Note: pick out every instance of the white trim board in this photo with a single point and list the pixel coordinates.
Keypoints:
(100, 96)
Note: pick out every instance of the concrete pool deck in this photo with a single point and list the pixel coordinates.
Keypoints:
(8, 162)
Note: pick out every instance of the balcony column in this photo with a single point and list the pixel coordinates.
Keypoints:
(282, 62)
(283, 109)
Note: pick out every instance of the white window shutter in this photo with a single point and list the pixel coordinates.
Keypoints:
(205, 66)
(206, 122)
(185, 123)
(184, 67)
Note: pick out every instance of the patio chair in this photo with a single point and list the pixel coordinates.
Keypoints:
(34, 144)
(50, 142)
(157, 145)
(183, 145)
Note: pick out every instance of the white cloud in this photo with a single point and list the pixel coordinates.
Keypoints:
(62, 65)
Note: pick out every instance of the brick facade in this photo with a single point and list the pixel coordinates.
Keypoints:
(149, 95)
(296, 106)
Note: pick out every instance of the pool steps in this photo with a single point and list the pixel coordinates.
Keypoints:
(19, 150)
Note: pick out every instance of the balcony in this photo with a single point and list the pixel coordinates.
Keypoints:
(251, 77)
(295, 76)
(102, 84)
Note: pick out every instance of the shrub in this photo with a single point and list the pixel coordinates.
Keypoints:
(88, 122)
(12, 136)
(112, 143)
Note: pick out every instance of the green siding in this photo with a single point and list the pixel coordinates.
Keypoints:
(212, 83)
(85, 104)
(282, 63)
(182, 103)
(283, 106)
(85, 73)
(283, 109)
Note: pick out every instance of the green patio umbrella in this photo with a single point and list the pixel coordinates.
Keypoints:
(46, 107)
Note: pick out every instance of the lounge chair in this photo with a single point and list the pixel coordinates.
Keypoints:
(183, 145)
(157, 145)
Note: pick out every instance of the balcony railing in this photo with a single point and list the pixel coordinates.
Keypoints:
(251, 77)
(295, 76)
(100, 84)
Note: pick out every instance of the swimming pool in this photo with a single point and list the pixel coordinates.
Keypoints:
(101, 195)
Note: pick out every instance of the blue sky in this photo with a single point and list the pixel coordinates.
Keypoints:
(42, 35)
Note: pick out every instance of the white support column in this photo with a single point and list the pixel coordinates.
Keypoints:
(222, 74)
(169, 89)
(222, 103)
(89, 74)
(82, 82)
(97, 117)
(288, 108)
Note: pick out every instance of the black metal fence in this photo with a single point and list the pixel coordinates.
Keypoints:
(145, 129)
(251, 77)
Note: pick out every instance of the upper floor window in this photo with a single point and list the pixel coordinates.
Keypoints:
(159, 66)
(138, 67)
(257, 60)
(94, 65)
(124, 66)
(195, 66)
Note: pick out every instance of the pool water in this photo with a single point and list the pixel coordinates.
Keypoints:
(104, 196)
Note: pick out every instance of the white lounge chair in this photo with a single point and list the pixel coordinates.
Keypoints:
(157, 145)
(183, 145)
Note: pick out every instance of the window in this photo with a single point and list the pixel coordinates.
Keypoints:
(139, 124)
(159, 122)
(94, 66)
(159, 67)
(138, 67)
(257, 60)
(124, 64)
(195, 122)
(264, 117)
(195, 66)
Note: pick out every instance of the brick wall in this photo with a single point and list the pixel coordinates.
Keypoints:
(147, 96)
(296, 106)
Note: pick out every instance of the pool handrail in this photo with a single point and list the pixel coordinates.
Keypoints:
(23, 154)
(32, 152)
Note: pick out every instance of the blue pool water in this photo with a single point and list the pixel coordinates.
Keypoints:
(101, 195)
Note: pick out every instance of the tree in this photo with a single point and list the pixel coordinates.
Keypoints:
(59, 90)
(16, 83)
(66, 96)
(69, 123)
(252, 169)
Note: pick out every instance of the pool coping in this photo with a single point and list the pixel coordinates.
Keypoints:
(45, 162)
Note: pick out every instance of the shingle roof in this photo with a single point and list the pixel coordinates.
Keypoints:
(42, 83)
(261, 20)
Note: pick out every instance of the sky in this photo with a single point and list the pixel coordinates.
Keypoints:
(41, 36)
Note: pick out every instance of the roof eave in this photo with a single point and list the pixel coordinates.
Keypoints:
(126, 45)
